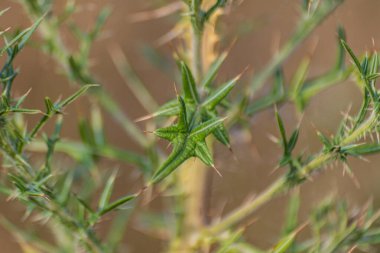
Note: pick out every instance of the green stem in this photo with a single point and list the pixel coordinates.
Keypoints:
(281, 185)
(305, 28)
(197, 54)
(51, 35)
(193, 174)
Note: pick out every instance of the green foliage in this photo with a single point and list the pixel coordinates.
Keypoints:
(73, 199)
(188, 140)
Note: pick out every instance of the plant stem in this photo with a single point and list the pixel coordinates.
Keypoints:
(193, 173)
(281, 185)
(51, 35)
(305, 28)
(197, 54)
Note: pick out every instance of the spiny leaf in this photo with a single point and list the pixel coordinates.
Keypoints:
(182, 117)
(221, 135)
(217, 96)
(22, 37)
(373, 74)
(362, 149)
(76, 95)
(183, 149)
(189, 86)
(51, 143)
(363, 110)
(186, 144)
(24, 110)
(297, 83)
(116, 204)
(218, 4)
(293, 140)
(203, 153)
(204, 129)
(226, 245)
(281, 127)
(49, 105)
(287, 241)
(353, 57)
(373, 65)
(284, 244)
(364, 66)
(372, 77)
(168, 133)
(21, 99)
(326, 142)
(341, 51)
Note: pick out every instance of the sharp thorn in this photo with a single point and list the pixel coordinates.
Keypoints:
(143, 118)
(216, 170)
(175, 89)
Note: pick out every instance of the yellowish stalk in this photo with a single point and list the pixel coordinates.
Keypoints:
(193, 174)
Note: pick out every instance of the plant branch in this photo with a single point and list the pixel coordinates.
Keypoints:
(305, 28)
(281, 185)
(49, 32)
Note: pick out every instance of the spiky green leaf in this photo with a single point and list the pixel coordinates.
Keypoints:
(76, 95)
(204, 129)
(203, 153)
(188, 83)
(107, 191)
(217, 96)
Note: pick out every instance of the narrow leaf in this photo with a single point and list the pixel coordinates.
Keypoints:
(25, 111)
(325, 141)
(281, 127)
(22, 98)
(167, 133)
(76, 95)
(341, 51)
(182, 117)
(221, 135)
(203, 153)
(204, 129)
(353, 57)
(107, 191)
(293, 140)
(22, 37)
(181, 152)
(116, 204)
(362, 149)
(188, 83)
(216, 97)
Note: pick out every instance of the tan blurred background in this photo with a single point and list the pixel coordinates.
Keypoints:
(259, 24)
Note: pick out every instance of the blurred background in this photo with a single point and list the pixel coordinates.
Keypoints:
(260, 27)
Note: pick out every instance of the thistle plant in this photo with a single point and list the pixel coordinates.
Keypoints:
(73, 200)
